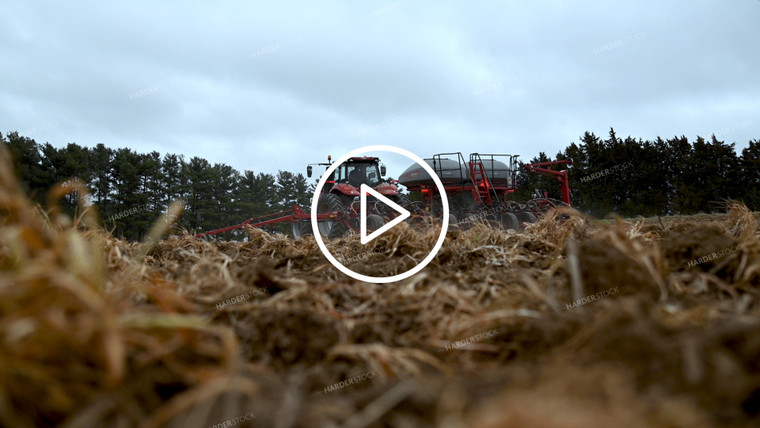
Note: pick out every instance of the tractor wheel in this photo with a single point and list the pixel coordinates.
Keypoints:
(301, 228)
(527, 217)
(374, 222)
(510, 221)
(329, 203)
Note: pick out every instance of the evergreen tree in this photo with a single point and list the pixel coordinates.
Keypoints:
(27, 163)
(173, 182)
(101, 158)
(680, 175)
(130, 203)
(152, 182)
(648, 182)
(200, 202)
(749, 185)
(292, 189)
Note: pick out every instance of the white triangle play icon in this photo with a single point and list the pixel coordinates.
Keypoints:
(364, 189)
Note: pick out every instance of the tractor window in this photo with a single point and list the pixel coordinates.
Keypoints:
(373, 175)
(358, 174)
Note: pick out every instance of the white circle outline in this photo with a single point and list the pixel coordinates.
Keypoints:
(315, 223)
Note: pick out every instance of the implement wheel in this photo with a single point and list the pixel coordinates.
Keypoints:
(300, 228)
(509, 221)
(526, 217)
(374, 222)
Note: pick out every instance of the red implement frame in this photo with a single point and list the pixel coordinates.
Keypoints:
(478, 182)
(294, 215)
(561, 176)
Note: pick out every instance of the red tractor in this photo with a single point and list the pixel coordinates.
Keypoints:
(340, 194)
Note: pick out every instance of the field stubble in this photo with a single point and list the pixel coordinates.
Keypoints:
(503, 328)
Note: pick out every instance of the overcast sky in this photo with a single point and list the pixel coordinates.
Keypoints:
(276, 85)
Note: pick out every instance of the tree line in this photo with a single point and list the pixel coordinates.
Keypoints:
(634, 177)
(627, 176)
(131, 190)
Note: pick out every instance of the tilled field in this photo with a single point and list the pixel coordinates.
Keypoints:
(569, 323)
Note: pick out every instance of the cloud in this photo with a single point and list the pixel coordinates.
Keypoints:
(270, 86)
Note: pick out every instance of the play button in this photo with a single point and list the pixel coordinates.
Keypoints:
(365, 190)
(364, 215)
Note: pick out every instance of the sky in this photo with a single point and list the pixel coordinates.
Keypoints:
(268, 86)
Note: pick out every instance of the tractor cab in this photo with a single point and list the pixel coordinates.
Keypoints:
(349, 176)
(358, 171)
(354, 172)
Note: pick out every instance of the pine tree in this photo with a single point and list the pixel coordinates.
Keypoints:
(750, 179)
(27, 162)
(101, 158)
(129, 201)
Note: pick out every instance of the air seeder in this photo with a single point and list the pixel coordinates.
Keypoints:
(480, 188)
